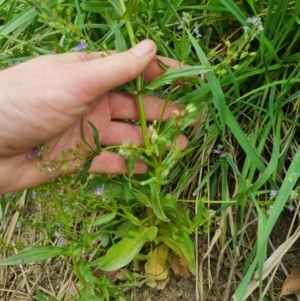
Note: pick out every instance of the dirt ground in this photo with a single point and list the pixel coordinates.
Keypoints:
(54, 277)
(180, 289)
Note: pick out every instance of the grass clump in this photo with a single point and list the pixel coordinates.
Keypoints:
(240, 66)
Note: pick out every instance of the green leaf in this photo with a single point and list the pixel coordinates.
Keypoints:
(130, 164)
(170, 8)
(102, 219)
(170, 205)
(133, 219)
(120, 44)
(131, 9)
(250, 7)
(40, 295)
(271, 50)
(286, 188)
(36, 254)
(96, 6)
(82, 177)
(235, 11)
(216, 90)
(183, 247)
(83, 136)
(172, 75)
(125, 228)
(156, 203)
(96, 136)
(124, 251)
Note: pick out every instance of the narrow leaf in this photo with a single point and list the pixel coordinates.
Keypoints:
(95, 136)
(131, 9)
(102, 219)
(36, 254)
(172, 75)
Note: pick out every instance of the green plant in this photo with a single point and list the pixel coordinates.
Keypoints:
(246, 90)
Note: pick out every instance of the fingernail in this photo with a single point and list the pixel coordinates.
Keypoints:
(143, 48)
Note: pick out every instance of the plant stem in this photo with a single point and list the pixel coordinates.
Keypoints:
(138, 84)
(64, 220)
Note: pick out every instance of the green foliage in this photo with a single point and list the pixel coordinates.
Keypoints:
(241, 79)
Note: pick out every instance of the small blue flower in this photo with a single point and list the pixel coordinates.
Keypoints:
(21, 261)
(18, 225)
(81, 46)
(197, 31)
(180, 26)
(37, 152)
(221, 153)
(49, 169)
(292, 207)
(33, 195)
(256, 23)
(60, 241)
(273, 192)
(60, 225)
(98, 191)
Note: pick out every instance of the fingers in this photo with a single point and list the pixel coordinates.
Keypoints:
(118, 132)
(112, 163)
(124, 106)
(100, 75)
(154, 70)
(113, 65)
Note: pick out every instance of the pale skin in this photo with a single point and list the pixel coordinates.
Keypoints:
(42, 101)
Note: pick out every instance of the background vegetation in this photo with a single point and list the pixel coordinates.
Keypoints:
(243, 159)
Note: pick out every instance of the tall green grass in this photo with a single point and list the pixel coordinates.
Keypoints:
(251, 111)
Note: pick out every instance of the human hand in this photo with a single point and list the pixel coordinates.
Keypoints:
(43, 101)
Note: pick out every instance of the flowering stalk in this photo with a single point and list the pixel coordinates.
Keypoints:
(138, 85)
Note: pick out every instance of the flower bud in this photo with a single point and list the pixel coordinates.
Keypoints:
(227, 44)
(244, 54)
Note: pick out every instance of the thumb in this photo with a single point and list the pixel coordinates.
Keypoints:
(104, 73)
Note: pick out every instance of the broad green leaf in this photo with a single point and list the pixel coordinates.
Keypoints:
(36, 254)
(124, 251)
(183, 247)
(172, 75)
(125, 228)
(111, 189)
(102, 219)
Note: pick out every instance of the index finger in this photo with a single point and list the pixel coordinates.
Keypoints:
(154, 70)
